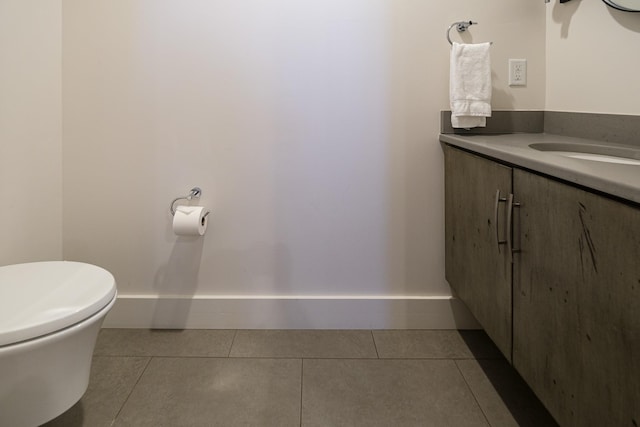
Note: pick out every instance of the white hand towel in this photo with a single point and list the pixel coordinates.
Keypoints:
(470, 85)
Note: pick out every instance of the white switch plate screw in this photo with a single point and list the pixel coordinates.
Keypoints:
(517, 72)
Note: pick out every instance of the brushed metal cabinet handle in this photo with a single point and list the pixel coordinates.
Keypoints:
(510, 205)
(497, 201)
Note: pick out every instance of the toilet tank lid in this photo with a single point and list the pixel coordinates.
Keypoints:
(40, 298)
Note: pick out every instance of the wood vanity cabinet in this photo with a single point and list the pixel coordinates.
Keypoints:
(576, 305)
(576, 292)
(476, 266)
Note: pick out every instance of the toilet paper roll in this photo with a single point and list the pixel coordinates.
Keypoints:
(190, 220)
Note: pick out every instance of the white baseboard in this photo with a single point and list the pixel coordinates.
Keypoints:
(287, 312)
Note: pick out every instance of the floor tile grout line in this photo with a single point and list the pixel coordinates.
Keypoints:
(233, 340)
(301, 387)
(362, 359)
(172, 356)
(472, 393)
(131, 391)
(345, 358)
(373, 337)
(298, 356)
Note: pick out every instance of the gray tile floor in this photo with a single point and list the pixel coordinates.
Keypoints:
(302, 378)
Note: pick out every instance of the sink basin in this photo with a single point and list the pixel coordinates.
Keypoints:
(596, 153)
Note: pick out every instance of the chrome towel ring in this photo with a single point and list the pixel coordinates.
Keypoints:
(460, 26)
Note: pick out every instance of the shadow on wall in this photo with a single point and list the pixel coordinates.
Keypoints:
(563, 13)
(176, 283)
(630, 21)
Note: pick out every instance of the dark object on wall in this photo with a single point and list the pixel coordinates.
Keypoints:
(624, 5)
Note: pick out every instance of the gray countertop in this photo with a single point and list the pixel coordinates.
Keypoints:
(619, 180)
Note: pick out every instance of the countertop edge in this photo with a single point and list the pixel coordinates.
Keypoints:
(600, 178)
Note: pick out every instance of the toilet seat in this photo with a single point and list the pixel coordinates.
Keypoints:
(40, 298)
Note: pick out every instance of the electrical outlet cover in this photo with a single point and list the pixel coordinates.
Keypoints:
(517, 72)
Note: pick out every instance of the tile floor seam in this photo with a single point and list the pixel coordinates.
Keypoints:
(180, 356)
(475, 398)
(362, 359)
(375, 346)
(131, 391)
(301, 387)
(229, 358)
(394, 358)
(295, 357)
(233, 340)
(304, 357)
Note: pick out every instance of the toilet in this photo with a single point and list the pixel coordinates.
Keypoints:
(50, 316)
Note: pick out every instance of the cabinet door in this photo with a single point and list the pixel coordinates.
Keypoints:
(577, 302)
(477, 268)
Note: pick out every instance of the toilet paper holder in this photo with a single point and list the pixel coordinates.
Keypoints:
(195, 193)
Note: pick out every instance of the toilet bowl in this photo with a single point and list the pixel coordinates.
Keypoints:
(50, 316)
